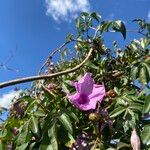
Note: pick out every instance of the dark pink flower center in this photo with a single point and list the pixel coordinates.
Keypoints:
(83, 99)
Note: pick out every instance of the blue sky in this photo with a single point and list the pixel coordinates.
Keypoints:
(30, 29)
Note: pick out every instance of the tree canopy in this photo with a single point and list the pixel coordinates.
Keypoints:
(89, 99)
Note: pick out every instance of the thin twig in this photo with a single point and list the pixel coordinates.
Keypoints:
(39, 77)
(5, 64)
(55, 51)
(51, 55)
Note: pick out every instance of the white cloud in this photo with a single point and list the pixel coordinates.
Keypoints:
(148, 17)
(66, 10)
(6, 99)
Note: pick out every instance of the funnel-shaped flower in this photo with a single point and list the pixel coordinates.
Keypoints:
(88, 94)
(135, 140)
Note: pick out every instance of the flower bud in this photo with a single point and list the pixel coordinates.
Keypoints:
(9, 147)
(50, 86)
(15, 130)
(94, 117)
(135, 140)
(111, 93)
(33, 138)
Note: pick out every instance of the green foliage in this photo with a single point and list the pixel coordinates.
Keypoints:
(46, 120)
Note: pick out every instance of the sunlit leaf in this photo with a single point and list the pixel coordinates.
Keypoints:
(120, 27)
(116, 112)
(146, 135)
(146, 108)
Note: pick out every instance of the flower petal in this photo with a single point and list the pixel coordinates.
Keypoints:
(97, 94)
(85, 84)
(74, 99)
(87, 106)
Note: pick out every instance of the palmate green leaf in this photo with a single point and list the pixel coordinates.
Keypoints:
(144, 42)
(66, 122)
(91, 65)
(23, 136)
(119, 27)
(74, 116)
(49, 138)
(135, 106)
(104, 26)
(134, 73)
(26, 99)
(145, 135)
(95, 16)
(143, 75)
(29, 107)
(52, 133)
(65, 89)
(84, 14)
(146, 108)
(34, 124)
(40, 113)
(147, 66)
(117, 111)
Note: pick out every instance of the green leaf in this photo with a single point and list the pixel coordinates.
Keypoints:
(65, 120)
(34, 124)
(146, 108)
(64, 87)
(119, 27)
(52, 133)
(3, 133)
(49, 138)
(69, 37)
(40, 113)
(145, 135)
(29, 107)
(22, 147)
(104, 26)
(134, 73)
(84, 14)
(1, 145)
(96, 16)
(144, 42)
(121, 145)
(143, 75)
(135, 106)
(23, 136)
(147, 66)
(116, 112)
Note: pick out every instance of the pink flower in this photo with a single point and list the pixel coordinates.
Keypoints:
(88, 94)
(135, 140)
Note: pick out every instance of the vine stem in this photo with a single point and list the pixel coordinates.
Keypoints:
(39, 77)
(95, 143)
